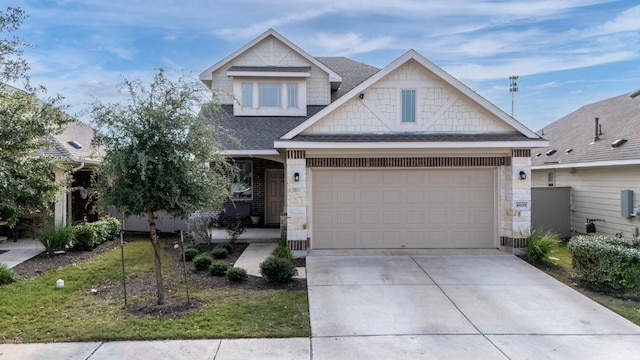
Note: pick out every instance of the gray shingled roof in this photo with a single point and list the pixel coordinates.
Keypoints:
(353, 73)
(259, 132)
(413, 137)
(80, 133)
(254, 132)
(619, 118)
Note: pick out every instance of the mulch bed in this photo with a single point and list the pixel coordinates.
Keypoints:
(144, 287)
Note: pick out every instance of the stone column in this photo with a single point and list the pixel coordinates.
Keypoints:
(515, 201)
(296, 200)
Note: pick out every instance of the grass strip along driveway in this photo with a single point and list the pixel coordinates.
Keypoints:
(35, 311)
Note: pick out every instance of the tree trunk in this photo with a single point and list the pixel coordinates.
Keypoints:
(156, 251)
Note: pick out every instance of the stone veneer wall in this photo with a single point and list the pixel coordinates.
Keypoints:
(296, 200)
(515, 202)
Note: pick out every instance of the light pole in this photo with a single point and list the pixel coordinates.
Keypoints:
(513, 89)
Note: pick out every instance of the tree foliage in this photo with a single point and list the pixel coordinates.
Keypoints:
(27, 125)
(156, 147)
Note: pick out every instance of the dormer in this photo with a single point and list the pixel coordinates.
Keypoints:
(270, 76)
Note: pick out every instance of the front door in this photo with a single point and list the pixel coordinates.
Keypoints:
(274, 195)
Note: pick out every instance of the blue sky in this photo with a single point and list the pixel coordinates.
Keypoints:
(568, 53)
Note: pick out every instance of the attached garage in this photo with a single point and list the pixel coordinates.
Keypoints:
(403, 208)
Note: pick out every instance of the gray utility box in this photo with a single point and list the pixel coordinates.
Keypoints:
(551, 210)
(626, 203)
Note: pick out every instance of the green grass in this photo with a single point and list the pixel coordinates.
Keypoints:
(35, 311)
(562, 270)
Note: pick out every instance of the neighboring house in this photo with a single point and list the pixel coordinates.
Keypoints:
(596, 151)
(72, 147)
(401, 157)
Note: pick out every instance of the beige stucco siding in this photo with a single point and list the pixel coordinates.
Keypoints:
(595, 193)
(272, 52)
(439, 108)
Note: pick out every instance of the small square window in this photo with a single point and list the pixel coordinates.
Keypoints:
(408, 106)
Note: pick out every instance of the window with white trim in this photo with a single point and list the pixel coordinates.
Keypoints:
(408, 106)
(242, 181)
(292, 95)
(247, 94)
(270, 95)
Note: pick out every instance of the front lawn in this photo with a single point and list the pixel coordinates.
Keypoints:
(35, 311)
(561, 269)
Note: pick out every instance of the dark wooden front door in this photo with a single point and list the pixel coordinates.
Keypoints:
(274, 195)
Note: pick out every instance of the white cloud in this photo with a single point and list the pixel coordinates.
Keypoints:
(628, 20)
(348, 44)
(170, 37)
(549, 85)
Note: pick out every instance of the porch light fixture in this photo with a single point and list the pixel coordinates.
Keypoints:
(523, 175)
(296, 177)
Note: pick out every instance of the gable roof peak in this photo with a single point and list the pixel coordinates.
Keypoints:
(207, 75)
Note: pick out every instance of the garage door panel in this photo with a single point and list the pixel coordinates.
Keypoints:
(435, 208)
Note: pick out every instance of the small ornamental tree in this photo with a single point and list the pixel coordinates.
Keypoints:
(160, 154)
(27, 125)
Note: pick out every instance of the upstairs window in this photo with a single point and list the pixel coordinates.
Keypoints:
(292, 96)
(270, 95)
(408, 106)
(247, 95)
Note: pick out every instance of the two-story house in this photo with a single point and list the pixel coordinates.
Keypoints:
(358, 157)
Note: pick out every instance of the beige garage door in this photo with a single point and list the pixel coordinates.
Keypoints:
(403, 208)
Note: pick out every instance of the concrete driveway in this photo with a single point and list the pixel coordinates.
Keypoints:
(481, 304)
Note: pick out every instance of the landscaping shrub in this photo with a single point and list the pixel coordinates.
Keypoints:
(190, 253)
(199, 224)
(227, 246)
(603, 261)
(202, 262)
(235, 229)
(218, 269)
(101, 231)
(56, 237)
(539, 245)
(6, 275)
(220, 252)
(84, 237)
(112, 227)
(282, 251)
(237, 274)
(278, 270)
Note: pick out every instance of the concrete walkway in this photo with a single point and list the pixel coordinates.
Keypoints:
(255, 254)
(19, 251)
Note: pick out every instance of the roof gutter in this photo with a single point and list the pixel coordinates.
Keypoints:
(587, 164)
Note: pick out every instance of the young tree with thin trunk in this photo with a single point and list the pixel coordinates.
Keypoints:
(160, 154)
(27, 126)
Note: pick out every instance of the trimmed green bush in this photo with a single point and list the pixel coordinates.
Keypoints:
(56, 237)
(189, 253)
(278, 270)
(112, 227)
(220, 252)
(6, 275)
(237, 274)
(202, 262)
(218, 269)
(84, 237)
(604, 261)
(539, 245)
(227, 246)
(283, 252)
